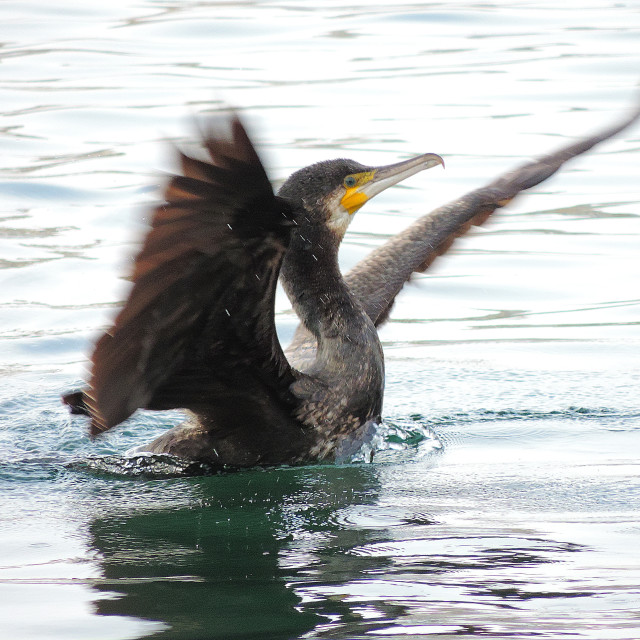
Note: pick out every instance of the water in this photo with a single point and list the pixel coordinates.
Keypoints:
(506, 504)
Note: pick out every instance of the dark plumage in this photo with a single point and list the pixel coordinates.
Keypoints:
(197, 331)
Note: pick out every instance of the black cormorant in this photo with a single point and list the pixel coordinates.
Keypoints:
(197, 331)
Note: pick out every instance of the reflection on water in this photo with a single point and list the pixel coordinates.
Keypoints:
(280, 551)
(504, 504)
(213, 569)
(351, 551)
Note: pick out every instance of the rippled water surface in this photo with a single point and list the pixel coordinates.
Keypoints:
(506, 500)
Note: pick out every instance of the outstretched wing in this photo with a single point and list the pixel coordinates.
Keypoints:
(203, 293)
(378, 279)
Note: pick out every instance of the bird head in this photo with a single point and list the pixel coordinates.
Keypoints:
(333, 190)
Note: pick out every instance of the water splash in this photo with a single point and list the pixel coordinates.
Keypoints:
(143, 465)
(400, 434)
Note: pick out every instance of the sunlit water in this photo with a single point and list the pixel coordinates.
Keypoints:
(506, 501)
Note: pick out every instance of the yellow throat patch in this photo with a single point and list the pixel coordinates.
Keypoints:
(354, 198)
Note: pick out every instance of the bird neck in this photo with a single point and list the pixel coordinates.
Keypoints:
(312, 279)
(349, 363)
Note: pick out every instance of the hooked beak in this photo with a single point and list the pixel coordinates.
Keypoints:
(371, 183)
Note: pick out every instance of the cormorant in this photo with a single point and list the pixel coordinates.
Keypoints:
(198, 332)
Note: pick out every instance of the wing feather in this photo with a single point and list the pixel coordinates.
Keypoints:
(203, 292)
(419, 245)
(378, 279)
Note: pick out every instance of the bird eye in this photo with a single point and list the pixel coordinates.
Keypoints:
(349, 181)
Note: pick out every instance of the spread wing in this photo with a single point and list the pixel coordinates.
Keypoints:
(200, 317)
(379, 278)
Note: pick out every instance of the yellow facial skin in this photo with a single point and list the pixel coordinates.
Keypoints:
(354, 198)
(358, 188)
